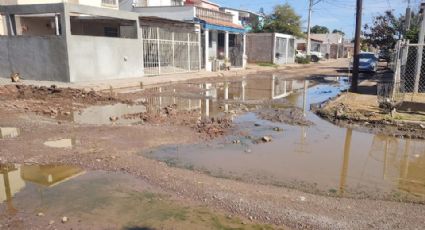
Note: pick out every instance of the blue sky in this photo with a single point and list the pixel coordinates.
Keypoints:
(334, 14)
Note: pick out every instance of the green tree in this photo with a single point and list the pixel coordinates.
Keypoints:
(283, 20)
(386, 29)
(335, 31)
(319, 29)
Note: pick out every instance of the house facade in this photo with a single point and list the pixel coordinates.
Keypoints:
(273, 48)
(85, 40)
(221, 33)
(332, 46)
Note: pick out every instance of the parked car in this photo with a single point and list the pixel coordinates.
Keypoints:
(368, 62)
(315, 56)
(300, 54)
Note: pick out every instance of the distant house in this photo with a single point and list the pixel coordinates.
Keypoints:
(316, 45)
(348, 49)
(332, 46)
(245, 17)
(271, 48)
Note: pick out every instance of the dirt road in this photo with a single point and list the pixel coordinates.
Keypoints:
(50, 114)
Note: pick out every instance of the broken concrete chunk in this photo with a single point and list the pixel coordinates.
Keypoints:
(7, 132)
(267, 139)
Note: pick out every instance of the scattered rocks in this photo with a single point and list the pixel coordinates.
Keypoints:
(40, 214)
(114, 119)
(15, 77)
(291, 116)
(51, 222)
(236, 141)
(64, 219)
(277, 129)
(267, 139)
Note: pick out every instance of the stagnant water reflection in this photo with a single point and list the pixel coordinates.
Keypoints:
(323, 158)
(41, 194)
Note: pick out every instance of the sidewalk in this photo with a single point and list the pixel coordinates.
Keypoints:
(290, 69)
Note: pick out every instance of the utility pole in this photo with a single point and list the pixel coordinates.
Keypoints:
(355, 80)
(408, 18)
(310, 9)
(420, 48)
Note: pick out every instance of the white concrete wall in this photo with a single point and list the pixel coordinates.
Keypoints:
(183, 13)
(103, 58)
(161, 3)
(214, 43)
(2, 25)
(235, 16)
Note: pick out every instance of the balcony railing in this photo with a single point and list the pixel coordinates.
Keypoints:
(110, 3)
(213, 15)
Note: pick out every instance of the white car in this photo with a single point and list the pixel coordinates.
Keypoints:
(316, 56)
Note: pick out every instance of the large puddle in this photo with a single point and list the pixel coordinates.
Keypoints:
(322, 158)
(44, 194)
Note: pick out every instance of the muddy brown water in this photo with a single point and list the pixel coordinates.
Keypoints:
(44, 194)
(322, 158)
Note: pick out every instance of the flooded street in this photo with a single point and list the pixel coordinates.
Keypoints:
(321, 158)
(228, 153)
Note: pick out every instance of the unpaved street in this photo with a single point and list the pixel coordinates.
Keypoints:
(221, 147)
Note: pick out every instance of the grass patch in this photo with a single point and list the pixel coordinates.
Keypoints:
(267, 64)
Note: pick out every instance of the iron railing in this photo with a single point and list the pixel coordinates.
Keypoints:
(213, 15)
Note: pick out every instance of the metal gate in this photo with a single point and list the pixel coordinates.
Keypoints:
(236, 50)
(166, 51)
(281, 50)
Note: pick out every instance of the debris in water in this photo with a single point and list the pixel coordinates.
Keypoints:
(291, 116)
(277, 129)
(267, 139)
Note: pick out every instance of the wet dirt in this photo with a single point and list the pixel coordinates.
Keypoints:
(50, 194)
(291, 116)
(122, 147)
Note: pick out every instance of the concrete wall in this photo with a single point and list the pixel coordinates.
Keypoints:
(2, 25)
(213, 43)
(102, 58)
(35, 58)
(183, 13)
(260, 47)
(235, 16)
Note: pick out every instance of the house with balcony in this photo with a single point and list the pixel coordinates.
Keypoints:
(221, 34)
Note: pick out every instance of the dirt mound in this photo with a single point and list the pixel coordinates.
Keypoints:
(290, 116)
(213, 127)
(46, 93)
